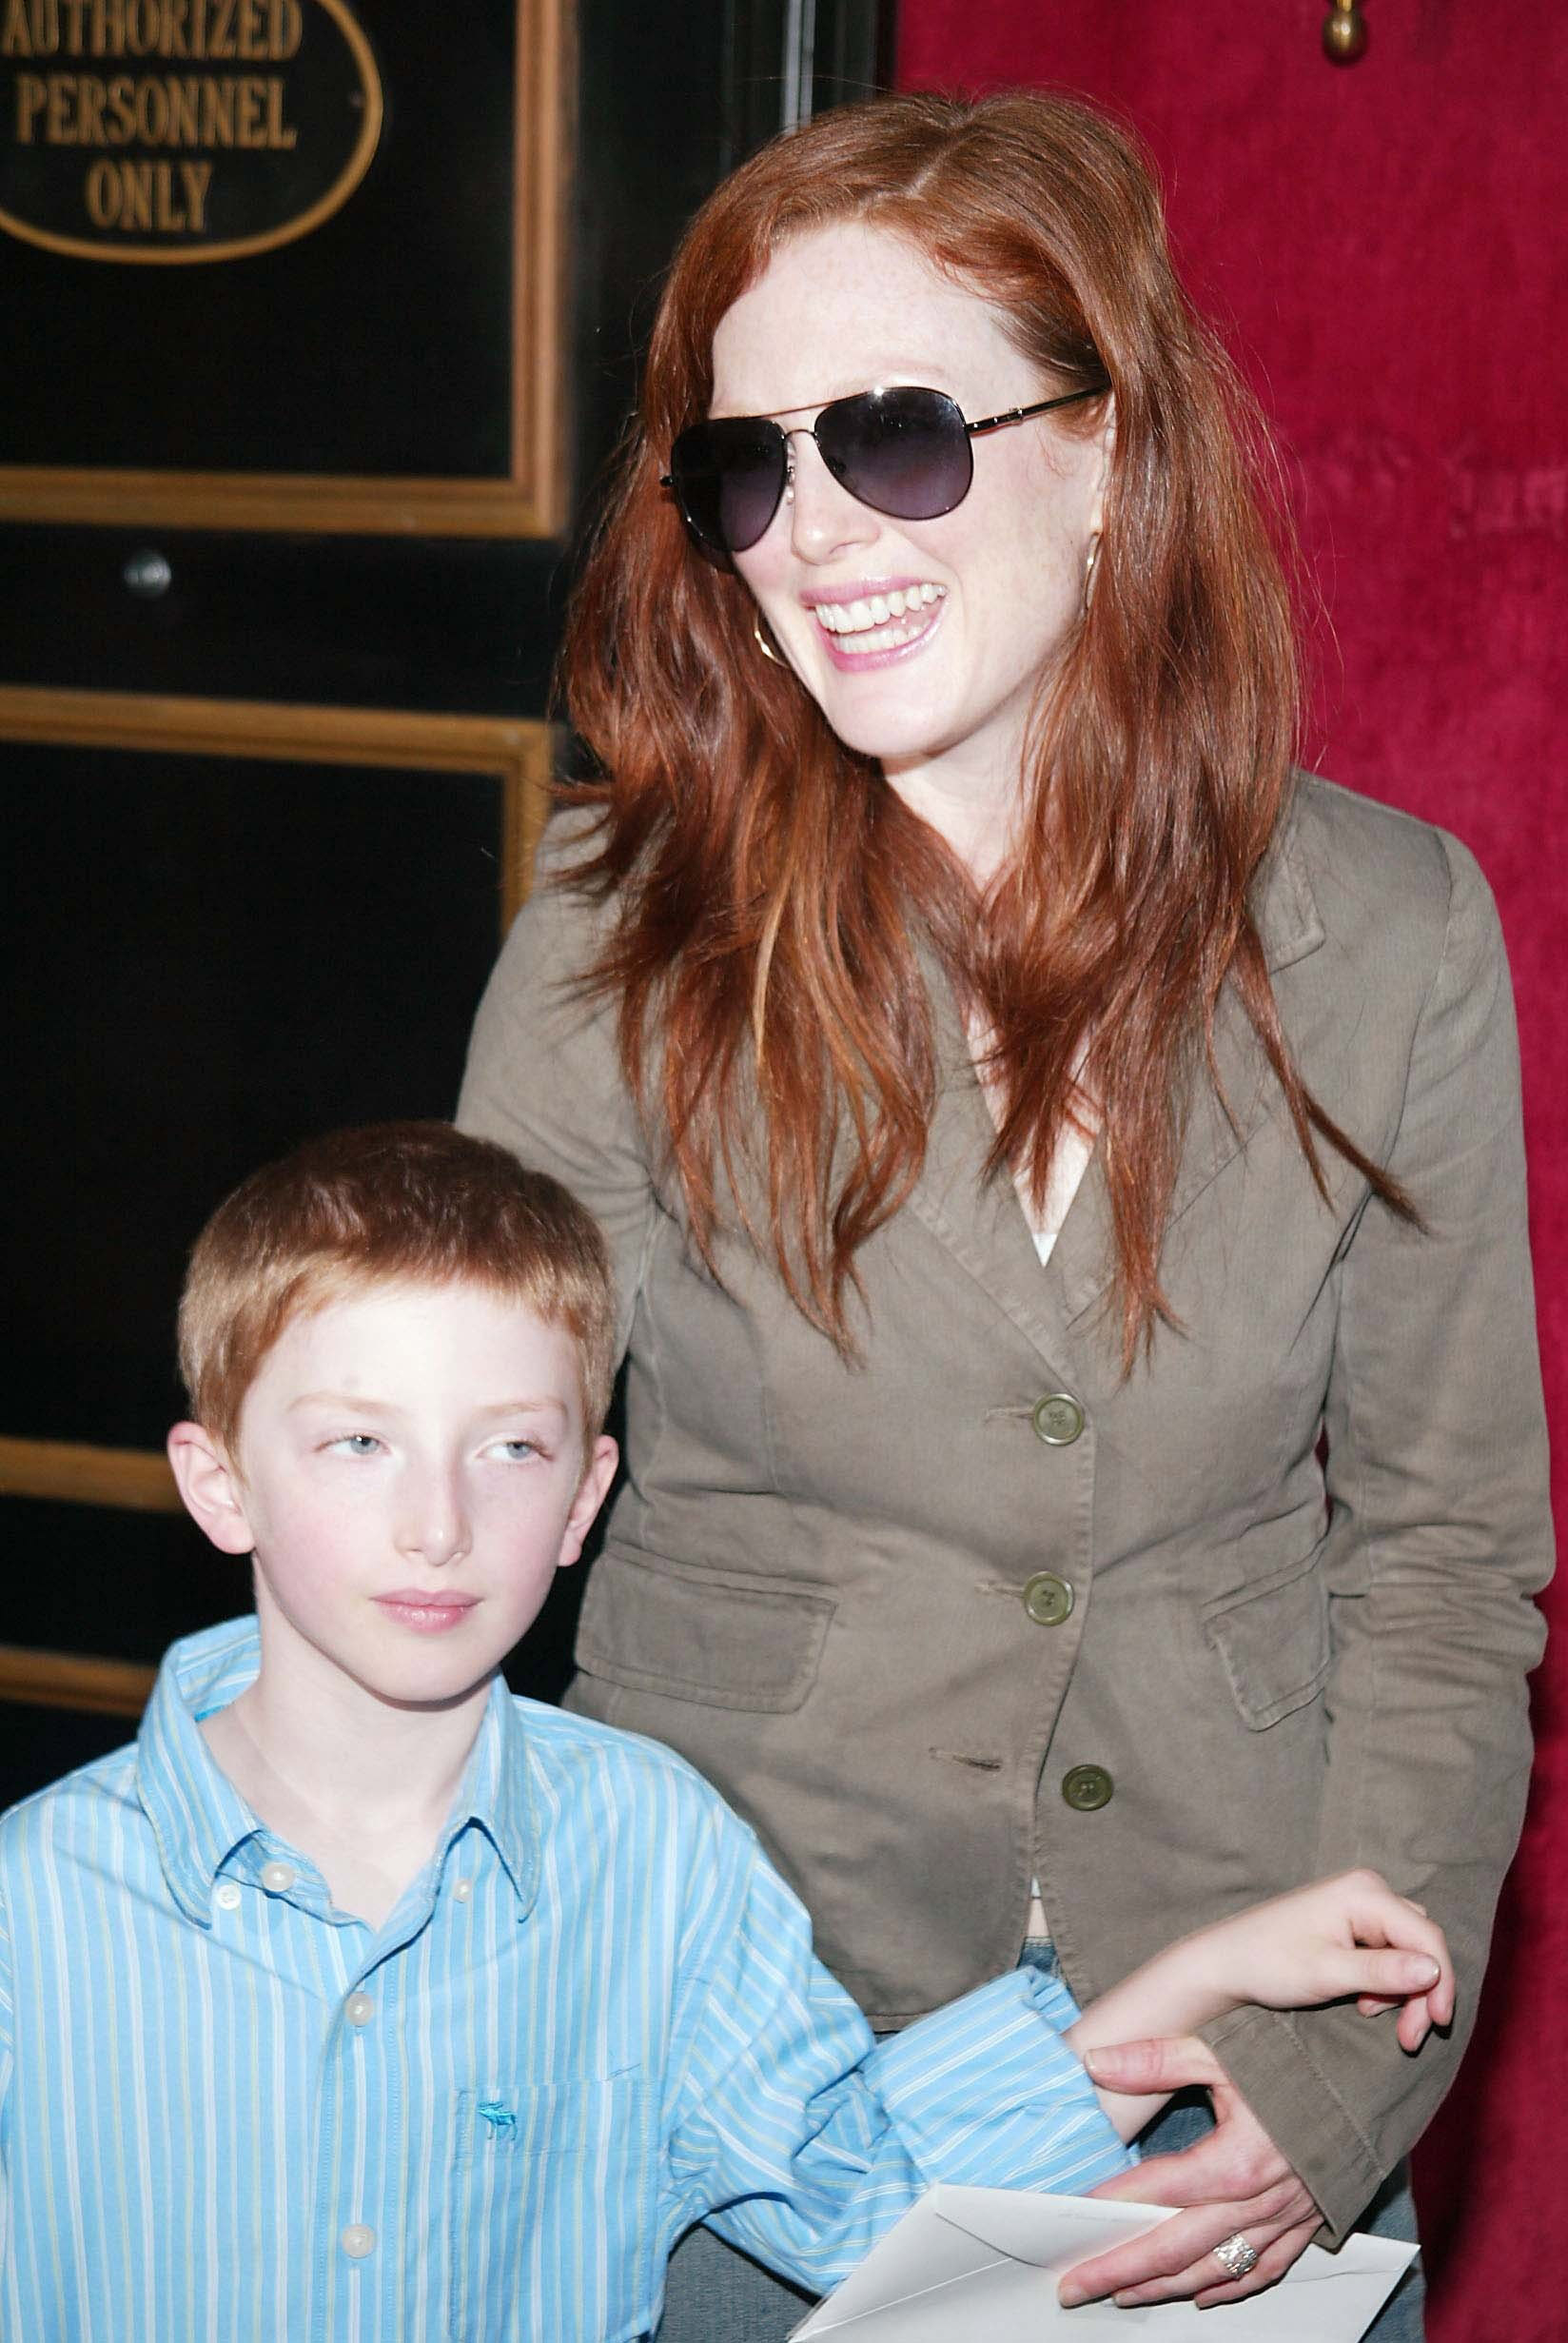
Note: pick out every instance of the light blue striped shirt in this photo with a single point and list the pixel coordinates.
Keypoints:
(229, 2109)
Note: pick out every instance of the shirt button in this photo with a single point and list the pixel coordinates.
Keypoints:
(1048, 1599)
(226, 1897)
(1086, 1789)
(278, 1877)
(359, 2009)
(463, 1889)
(1058, 1419)
(357, 2241)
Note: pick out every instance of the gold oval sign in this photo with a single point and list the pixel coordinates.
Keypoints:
(181, 131)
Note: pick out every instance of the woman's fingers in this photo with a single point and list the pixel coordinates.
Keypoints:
(1274, 2259)
(1178, 2257)
(1145, 2069)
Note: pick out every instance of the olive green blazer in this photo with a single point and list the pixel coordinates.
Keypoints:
(935, 1638)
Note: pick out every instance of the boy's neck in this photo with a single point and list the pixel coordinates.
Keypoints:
(359, 1784)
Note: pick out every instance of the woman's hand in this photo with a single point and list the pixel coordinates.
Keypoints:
(1343, 1937)
(1233, 2181)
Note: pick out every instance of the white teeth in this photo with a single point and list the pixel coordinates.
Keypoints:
(867, 617)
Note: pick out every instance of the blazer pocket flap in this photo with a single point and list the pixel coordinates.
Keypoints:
(1272, 1640)
(702, 1635)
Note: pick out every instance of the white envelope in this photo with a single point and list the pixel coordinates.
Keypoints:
(981, 2265)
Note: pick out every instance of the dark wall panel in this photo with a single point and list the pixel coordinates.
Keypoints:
(209, 958)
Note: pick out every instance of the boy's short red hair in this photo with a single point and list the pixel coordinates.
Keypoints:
(420, 1202)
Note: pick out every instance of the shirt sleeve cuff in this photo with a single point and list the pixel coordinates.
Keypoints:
(986, 2093)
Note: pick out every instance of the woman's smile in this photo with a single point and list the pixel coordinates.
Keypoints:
(866, 623)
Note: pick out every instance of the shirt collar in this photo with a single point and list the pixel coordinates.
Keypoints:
(199, 1819)
(493, 1796)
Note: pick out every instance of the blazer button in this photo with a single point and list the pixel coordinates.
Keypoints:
(1048, 1599)
(1086, 1789)
(1058, 1419)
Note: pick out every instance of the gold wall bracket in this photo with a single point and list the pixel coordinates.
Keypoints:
(1345, 33)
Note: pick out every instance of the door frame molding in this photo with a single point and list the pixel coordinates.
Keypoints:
(519, 752)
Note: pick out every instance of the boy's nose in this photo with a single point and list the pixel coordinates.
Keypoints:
(435, 1522)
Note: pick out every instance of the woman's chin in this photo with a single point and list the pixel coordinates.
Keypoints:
(884, 727)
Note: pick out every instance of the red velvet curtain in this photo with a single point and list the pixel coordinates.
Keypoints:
(1384, 247)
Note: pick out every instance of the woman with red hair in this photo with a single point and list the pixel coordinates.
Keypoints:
(1086, 1468)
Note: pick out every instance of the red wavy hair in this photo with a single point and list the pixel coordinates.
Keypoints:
(773, 893)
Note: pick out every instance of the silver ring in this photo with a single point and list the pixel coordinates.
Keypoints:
(1235, 2254)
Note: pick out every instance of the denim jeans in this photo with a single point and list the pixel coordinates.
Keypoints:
(718, 2295)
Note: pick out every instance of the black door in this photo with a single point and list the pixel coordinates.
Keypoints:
(320, 318)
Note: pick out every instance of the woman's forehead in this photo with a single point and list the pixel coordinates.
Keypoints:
(843, 307)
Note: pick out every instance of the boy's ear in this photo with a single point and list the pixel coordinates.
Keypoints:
(211, 1487)
(591, 1494)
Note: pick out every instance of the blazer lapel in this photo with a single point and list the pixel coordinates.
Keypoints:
(1290, 928)
(983, 1225)
(980, 1221)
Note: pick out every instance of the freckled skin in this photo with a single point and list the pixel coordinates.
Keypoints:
(846, 307)
(404, 1440)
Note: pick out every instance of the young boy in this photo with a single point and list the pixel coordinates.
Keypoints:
(359, 1998)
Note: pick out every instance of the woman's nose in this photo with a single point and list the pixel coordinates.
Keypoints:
(823, 518)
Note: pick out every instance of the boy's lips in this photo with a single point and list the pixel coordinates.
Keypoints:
(428, 1613)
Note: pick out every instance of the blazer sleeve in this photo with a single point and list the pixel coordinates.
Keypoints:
(543, 1076)
(1440, 1534)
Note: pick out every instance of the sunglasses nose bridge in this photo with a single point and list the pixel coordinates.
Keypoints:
(822, 512)
(836, 466)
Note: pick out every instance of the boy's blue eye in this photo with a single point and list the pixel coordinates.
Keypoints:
(360, 1444)
(519, 1447)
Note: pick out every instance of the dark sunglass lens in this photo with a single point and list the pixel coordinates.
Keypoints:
(903, 451)
(729, 477)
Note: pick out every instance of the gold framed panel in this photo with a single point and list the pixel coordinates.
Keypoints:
(518, 751)
(163, 256)
(73, 1679)
(530, 502)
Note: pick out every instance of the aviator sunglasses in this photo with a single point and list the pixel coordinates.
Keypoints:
(904, 451)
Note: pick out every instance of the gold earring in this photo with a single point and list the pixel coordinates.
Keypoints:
(763, 645)
(1091, 564)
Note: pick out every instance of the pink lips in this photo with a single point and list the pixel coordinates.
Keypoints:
(426, 1614)
(860, 663)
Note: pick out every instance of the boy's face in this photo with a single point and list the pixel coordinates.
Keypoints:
(409, 1476)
